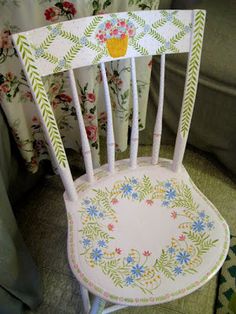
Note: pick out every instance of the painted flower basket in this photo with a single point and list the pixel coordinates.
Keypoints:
(115, 34)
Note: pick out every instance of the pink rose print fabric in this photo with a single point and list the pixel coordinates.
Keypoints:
(15, 96)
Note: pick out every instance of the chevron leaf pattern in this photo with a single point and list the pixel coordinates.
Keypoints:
(42, 99)
(192, 72)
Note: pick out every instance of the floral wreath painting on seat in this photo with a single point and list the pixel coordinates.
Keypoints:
(115, 33)
(182, 256)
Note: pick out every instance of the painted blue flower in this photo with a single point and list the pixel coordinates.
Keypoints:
(62, 63)
(86, 201)
(101, 26)
(170, 194)
(165, 203)
(55, 31)
(134, 196)
(187, 29)
(167, 45)
(178, 270)
(86, 242)
(137, 270)
(210, 225)
(202, 214)
(83, 40)
(92, 211)
(101, 215)
(39, 52)
(129, 280)
(102, 243)
(129, 259)
(126, 189)
(198, 226)
(96, 255)
(114, 21)
(168, 185)
(171, 250)
(146, 28)
(169, 17)
(183, 257)
(134, 180)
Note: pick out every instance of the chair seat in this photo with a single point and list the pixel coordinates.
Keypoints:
(144, 236)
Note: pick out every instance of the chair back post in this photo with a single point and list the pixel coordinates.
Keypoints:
(84, 139)
(158, 124)
(47, 118)
(110, 130)
(135, 124)
(190, 89)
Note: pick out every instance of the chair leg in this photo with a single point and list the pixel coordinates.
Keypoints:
(85, 299)
(98, 306)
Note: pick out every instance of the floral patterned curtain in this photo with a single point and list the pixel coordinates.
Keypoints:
(16, 99)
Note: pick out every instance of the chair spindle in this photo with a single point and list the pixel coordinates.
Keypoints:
(135, 125)
(84, 139)
(110, 131)
(158, 125)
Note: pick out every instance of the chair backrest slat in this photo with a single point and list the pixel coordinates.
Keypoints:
(190, 89)
(46, 115)
(110, 131)
(84, 139)
(135, 124)
(158, 124)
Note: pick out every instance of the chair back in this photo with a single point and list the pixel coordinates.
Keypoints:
(95, 40)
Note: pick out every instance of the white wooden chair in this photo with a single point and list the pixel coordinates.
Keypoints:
(139, 231)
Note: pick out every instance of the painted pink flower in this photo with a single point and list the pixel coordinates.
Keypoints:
(149, 202)
(5, 39)
(108, 25)
(91, 97)
(118, 251)
(110, 227)
(131, 32)
(147, 253)
(115, 31)
(114, 201)
(173, 214)
(52, 14)
(89, 117)
(91, 131)
(182, 237)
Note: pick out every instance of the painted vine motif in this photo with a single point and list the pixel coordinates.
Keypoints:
(182, 256)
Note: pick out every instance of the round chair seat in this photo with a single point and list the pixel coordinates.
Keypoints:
(144, 236)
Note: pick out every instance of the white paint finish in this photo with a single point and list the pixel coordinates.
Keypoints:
(77, 28)
(110, 131)
(85, 298)
(135, 126)
(84, 139)
(158, 125)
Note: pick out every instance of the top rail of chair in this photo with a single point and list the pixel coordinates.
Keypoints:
(102, 38)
